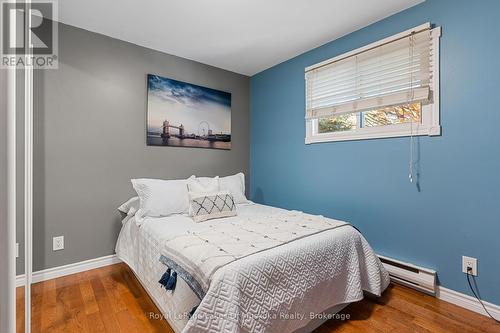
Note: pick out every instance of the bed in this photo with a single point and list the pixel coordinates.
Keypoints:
(292, 286)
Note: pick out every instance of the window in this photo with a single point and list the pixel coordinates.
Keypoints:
(386, 89)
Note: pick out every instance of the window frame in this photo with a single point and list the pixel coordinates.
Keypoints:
(430, 113)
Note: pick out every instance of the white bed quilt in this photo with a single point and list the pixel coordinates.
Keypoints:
(270, 272)
(205, 247)
(259, 292)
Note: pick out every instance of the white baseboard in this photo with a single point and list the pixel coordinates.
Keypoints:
(467, 302)
(55, 272)
(445, 294)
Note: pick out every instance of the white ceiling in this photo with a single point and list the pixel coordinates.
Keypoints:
(243, 36)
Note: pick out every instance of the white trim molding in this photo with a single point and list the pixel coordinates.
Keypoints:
(467, 302)
(10, 322)
(55, 272)
(445, 294)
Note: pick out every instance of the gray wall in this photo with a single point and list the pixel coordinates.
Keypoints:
(90, 119)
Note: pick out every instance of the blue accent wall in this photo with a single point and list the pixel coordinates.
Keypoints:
(457, 209)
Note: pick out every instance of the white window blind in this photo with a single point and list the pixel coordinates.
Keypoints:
(396, 72)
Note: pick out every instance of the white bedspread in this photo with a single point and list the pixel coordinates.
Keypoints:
(139, 248)
(274, 290)
(205, 247)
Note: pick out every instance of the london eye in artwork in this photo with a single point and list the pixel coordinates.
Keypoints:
(182, 114)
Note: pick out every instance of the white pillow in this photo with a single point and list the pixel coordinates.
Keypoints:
(235, 185)
(203, 184)
(130, 207)
(161, 197)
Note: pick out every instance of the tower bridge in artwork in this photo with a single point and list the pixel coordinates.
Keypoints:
(166, 130)
(169, 131)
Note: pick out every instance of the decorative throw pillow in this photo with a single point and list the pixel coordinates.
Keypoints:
(203, 184)
(206, 206)
(235, 185)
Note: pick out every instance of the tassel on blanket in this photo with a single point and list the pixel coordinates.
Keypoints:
(164, 278)
(171, 281)
(191, 313)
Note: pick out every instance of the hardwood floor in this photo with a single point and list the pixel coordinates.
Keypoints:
(111, 300)
(107, 299)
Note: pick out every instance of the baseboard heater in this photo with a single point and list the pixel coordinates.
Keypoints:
(422, 279)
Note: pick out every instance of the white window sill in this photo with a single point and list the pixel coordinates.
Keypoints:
(375, 133)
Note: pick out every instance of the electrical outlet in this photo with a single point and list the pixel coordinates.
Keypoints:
(17, 250)
(469, 262)
(57, 243)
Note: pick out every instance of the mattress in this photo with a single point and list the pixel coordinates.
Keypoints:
(140, 248)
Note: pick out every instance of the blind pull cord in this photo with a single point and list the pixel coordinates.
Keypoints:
(410, 98)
